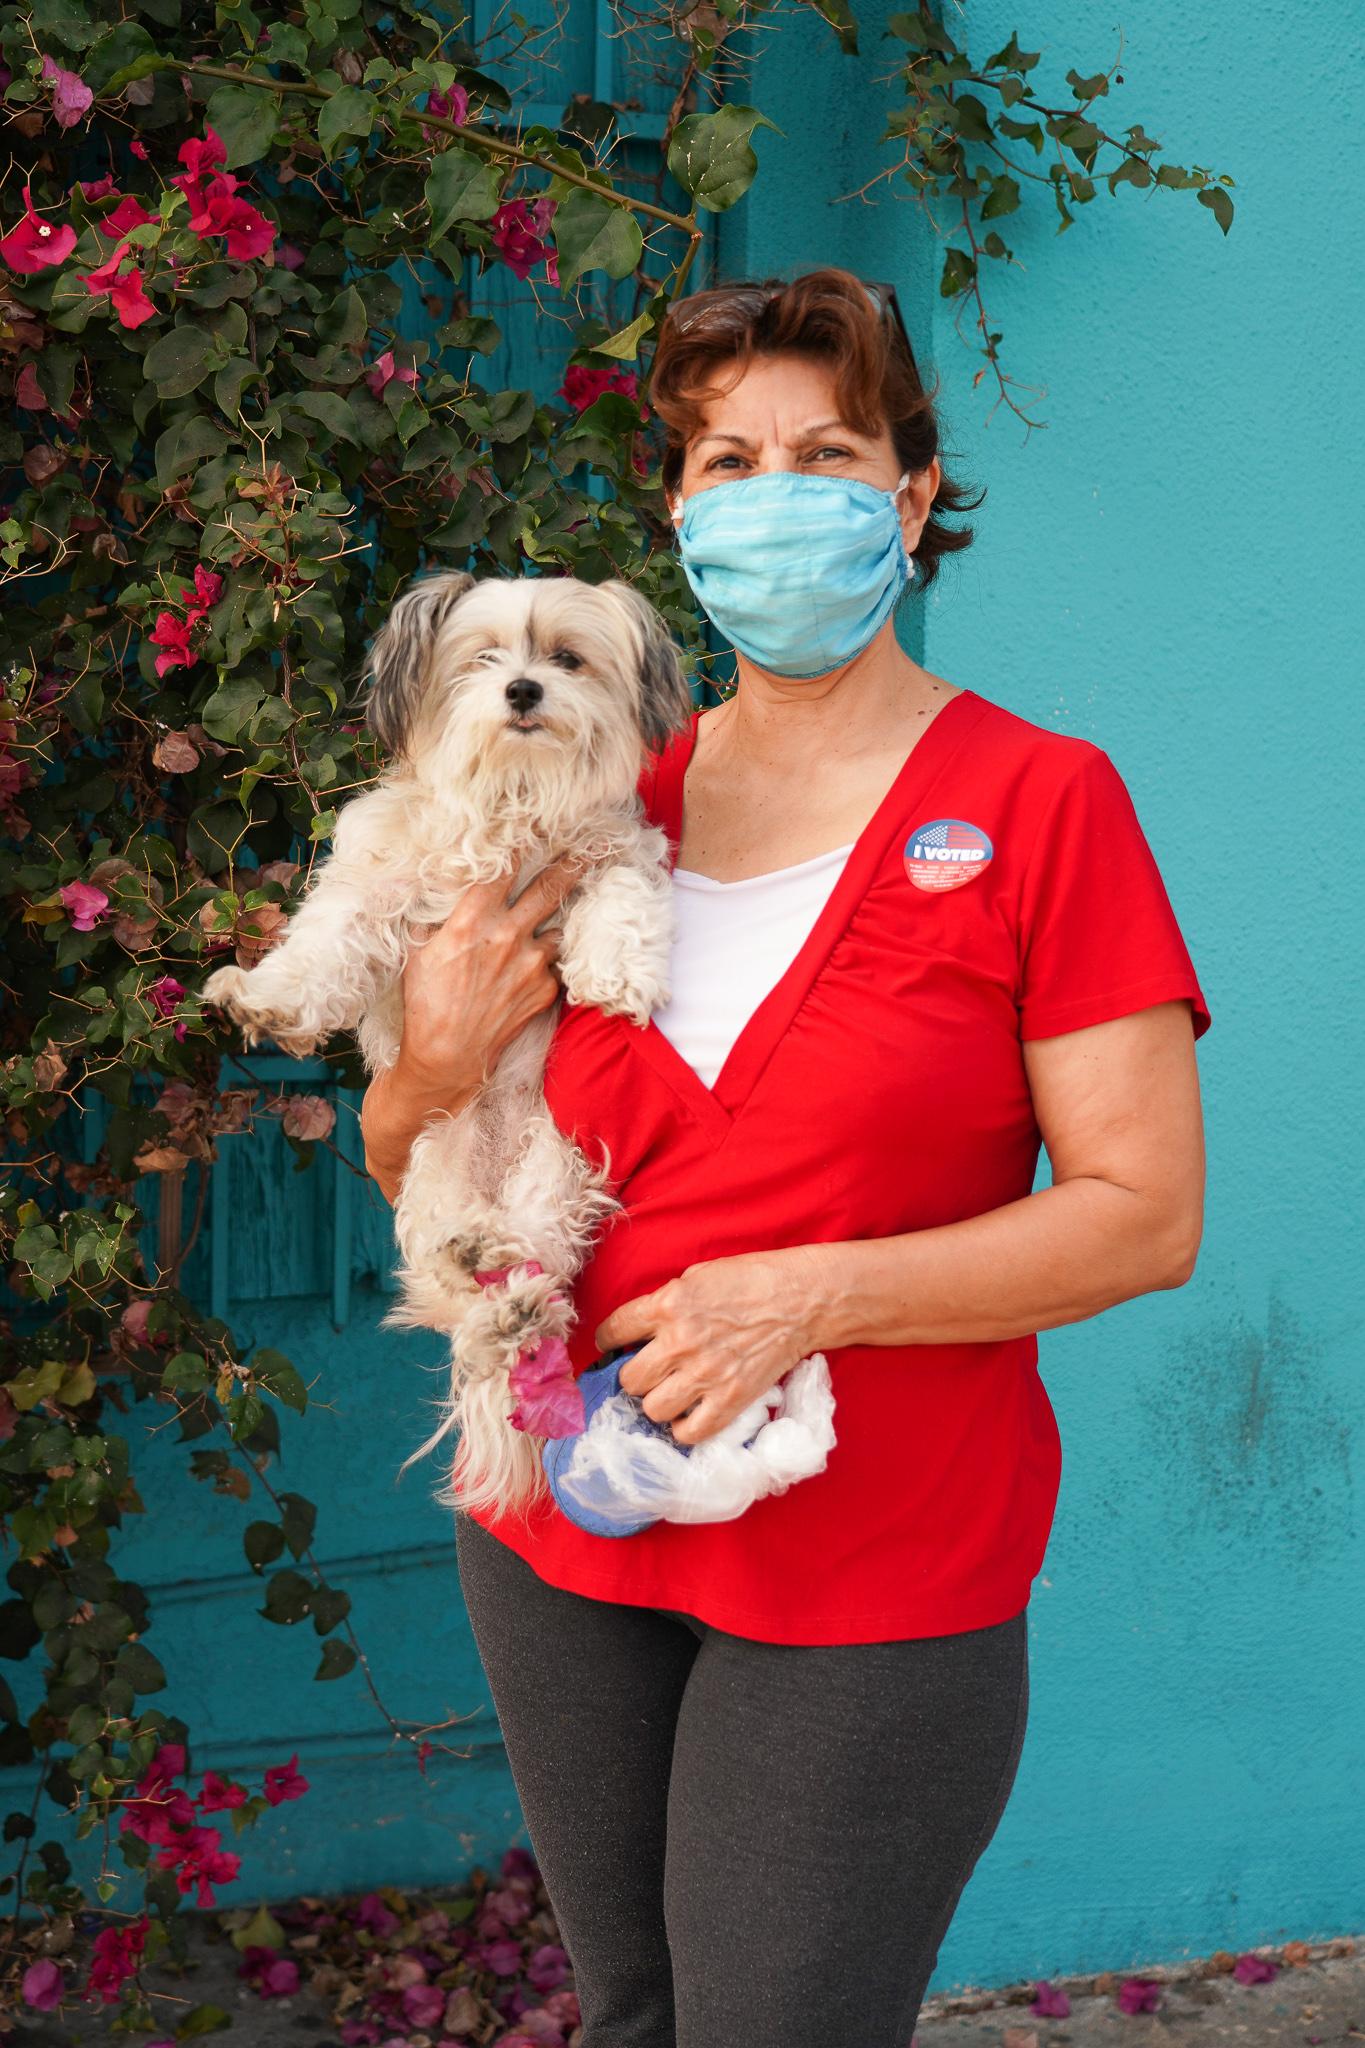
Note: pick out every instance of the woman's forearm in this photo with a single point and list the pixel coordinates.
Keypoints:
(395, 1108)
(1056, 1256)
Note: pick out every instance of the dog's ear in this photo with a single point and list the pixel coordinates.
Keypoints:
(665, 699)
(401, 654)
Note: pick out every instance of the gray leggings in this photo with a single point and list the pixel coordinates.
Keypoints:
(746, 1844)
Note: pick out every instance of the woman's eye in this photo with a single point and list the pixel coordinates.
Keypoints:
(564, 657)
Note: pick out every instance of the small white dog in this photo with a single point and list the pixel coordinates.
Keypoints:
(516, 713)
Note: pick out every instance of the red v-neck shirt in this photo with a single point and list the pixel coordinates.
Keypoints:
(1003, 890)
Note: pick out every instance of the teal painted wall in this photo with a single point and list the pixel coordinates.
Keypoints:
(1166, 571)
(1172, 570)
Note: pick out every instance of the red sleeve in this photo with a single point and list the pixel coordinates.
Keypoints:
(1097, 935)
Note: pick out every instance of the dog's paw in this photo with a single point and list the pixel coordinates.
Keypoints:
(242, 997)
(634, 993)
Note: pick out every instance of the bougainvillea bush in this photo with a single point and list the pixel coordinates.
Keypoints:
(240, 332)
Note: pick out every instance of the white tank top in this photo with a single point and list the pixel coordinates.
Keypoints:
(734, 941)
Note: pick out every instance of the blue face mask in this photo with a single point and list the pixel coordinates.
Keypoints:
(799, 572)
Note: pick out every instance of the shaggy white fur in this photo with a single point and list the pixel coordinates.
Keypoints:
(516, 712)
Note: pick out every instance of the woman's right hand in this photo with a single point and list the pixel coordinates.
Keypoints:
(469, 989)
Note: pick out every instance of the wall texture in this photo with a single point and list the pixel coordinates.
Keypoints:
(1172, 570)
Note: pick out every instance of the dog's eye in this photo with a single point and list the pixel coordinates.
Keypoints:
(564, 657)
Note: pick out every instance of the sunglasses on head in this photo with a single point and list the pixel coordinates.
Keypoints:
(729, 308)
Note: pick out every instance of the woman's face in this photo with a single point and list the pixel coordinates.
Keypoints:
(783, 414)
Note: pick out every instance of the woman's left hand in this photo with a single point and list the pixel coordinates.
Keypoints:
(718, 1336)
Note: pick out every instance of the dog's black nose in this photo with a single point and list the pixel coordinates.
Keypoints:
(525, 693)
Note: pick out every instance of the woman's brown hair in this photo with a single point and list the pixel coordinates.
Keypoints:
(827, 314)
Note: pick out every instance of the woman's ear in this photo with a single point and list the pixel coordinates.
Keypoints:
(917, 502)
(400, 658)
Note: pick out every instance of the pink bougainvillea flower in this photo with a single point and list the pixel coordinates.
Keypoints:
(129, 213)
(372, 1913)
(274, 1976)
(71, 96)
(446, 106)
(116, 1957)
(246, 231)
(34, 244)
(28, 391)
(503, 1957)
(199, 157)
(1139, 1994)
(85, 906)
(122, 286)
(42, 1985)
(423, 2005)
(1050, 2002)
(282, 1781)
(208, 589)
(200, 1861)
(1253, 1969)
(172, 636)
(582, 384)
(519, 231)
(549, 1398)
(218, 1793)
(385, 371)
(547, 1968)
(289, 256)
(138, 148)
(98, 188)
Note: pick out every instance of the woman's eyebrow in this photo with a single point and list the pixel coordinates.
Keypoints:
(804, 433)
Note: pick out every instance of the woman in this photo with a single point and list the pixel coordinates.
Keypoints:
(759, 1759)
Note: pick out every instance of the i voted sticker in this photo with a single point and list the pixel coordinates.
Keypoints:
(946, 854)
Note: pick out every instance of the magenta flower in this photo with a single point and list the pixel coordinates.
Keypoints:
(1139, 1994)
(200, 157)
(289, 256)
(423, 2005)
(282, 1781)
(582, 384)
(1050, 2002)
(547, 1968)
(218, 1793)
(1253, 1969)
(138, 148)
(117, 1954)
(503, 1957)
(42, 1985)
(549, 1398)
(274, 1976)
(208, 589)
(71, 96)
(97, 188)
(385, 371)
(85, 906)
(247, 233)
(520, 229)
(129, 213)
(125, 291)
(34, 244)
(447, 106)
(172, 636)
(376, 1916)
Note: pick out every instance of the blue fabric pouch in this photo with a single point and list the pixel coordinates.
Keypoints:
(600, 1384)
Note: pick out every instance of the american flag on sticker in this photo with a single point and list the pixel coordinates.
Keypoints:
(946, 853)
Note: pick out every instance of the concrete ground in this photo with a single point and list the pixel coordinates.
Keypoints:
(1316, 2000)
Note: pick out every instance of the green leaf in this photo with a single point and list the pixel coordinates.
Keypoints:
(1002, 198)
(231, 709)
(461, 186)
(1219, 205)
(329, 1606)
(337, 1659)
(246, 117)
(331, 410)
(593, 234)
(184, 445)
(348, 112)
(262, 1930)
(298, 1521)
(202, 2019)
(263, 1542)
(959, 273)
(625, 343)
(711, 158)
(287, 1598)
(139, 1668)
(178, 362)
(274, 1370)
